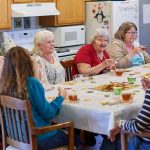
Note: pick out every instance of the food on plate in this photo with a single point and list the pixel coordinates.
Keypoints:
(69, 83)
(109, 87)
(104, 102)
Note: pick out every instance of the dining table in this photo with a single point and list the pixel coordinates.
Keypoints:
(98, 110)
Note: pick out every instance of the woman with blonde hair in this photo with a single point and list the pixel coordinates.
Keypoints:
(125, 50)
(48, 67)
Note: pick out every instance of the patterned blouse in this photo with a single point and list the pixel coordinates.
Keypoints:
(48, 73)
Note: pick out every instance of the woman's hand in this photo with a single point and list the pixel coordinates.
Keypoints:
(62, 92)
(113, 133)
(145, 83)
(136, 50)
(107, 63)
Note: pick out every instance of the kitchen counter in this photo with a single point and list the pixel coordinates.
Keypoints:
(67, 52)
(71, 52)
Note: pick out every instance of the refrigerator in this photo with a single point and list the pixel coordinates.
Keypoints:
(109, 15)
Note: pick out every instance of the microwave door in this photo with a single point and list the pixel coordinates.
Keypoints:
(70, 38)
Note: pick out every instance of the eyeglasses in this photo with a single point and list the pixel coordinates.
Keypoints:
(132, 33)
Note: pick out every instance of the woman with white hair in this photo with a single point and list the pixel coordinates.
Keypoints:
(47, 64)
(93, 59)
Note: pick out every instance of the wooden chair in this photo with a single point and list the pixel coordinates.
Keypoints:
(125, 135)
(68, 69)
(13, 112)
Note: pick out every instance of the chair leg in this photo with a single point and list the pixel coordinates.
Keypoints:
(71, 138)
(123, 141)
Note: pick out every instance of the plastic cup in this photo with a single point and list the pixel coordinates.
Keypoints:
(127, 96)
(119, 72)
(78, 77)
(117, 90)
(143, 47)
(72, 96)
(131, 80)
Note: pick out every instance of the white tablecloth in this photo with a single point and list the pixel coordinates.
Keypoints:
(89, 114)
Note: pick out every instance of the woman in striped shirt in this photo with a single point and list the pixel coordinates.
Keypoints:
(139, 124)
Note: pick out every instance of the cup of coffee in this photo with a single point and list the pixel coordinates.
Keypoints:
(127, 96)
(117, 90)
(119, 72)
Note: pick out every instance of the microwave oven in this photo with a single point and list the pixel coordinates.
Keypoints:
(68, 35)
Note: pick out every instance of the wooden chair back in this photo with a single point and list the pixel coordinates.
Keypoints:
(16, 118)
(125, 135)
(17, 125)
(68, 69)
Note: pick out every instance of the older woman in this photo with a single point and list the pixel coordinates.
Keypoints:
(49, 69)
(124, 49)
(93, 58)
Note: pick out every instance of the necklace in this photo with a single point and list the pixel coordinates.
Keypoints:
(101, 56)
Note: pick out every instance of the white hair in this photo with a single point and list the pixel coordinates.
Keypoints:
(39, 38)
(100, 32)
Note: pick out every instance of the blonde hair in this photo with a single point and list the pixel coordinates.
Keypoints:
(40, 38)
(100, 32)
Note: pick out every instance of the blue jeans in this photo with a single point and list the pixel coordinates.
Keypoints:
(136, 143)
(58, 140)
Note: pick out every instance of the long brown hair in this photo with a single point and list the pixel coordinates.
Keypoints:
(124, 27)
(17, 67)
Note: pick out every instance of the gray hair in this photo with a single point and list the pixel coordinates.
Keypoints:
(40, 38)
(100, 32)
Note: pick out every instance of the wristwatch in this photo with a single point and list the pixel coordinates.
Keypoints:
(121, 123)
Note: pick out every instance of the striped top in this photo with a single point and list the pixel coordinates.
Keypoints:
(142, 121)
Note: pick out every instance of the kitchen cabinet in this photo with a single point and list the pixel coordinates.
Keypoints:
(30, 1)
(71, 12)
(5, 14)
